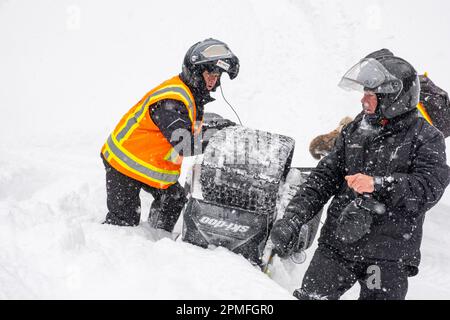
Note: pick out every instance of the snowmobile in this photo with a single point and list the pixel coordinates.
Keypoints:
(237, 189)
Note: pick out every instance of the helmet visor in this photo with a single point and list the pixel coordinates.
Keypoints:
(369, 74)
(212, 52)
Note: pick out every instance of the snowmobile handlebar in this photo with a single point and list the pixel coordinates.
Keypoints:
(304, 169)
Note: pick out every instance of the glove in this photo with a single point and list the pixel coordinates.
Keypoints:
(356, 219)
(284, 235)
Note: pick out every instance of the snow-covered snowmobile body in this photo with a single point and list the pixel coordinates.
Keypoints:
(238, 188)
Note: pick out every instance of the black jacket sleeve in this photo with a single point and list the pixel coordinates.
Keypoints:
(172, 118)
(323, 183)
(421, 188)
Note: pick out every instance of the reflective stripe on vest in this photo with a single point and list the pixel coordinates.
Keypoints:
(134, 119)
(114, 149)
(173, 156)
(424, 113)
(130, 162)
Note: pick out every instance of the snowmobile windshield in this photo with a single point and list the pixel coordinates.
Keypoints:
(369, 74)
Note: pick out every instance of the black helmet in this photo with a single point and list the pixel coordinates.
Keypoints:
(393, 79)
(211, 55)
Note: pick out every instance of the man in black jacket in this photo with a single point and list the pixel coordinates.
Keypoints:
(387, 169)
(202, 68)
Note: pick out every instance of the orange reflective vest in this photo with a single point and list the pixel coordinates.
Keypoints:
(138, 149)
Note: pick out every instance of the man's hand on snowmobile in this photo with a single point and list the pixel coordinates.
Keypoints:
(284, 235)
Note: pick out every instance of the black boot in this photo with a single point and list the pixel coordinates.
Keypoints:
(167, 206)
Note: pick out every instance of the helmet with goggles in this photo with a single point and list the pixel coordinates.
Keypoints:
(209, 55)
(394, 81)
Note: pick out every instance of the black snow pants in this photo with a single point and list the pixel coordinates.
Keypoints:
(329, 276)
(124, 204)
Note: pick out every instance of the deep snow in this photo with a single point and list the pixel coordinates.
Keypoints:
(70, 69)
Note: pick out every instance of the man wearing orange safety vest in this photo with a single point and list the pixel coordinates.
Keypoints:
(146, 148)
